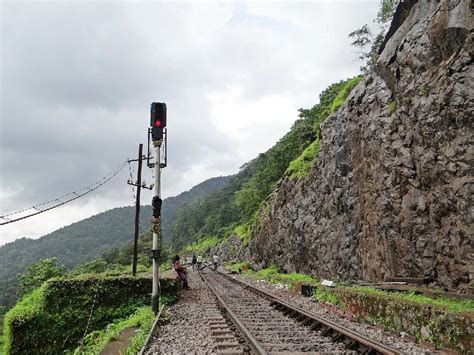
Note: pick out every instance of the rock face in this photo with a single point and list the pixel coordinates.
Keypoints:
(232, 250)
(391, 191)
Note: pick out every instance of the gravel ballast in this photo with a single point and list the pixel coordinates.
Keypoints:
(187, 330)
(404, 344)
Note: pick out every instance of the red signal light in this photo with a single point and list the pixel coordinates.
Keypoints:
(157, 123)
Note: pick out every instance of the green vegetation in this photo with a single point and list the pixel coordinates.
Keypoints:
(96, 341)
(344, 93)
(330, 101)
(245, 231)
(299, 168)
(240, 267)
(452, 305)
(326, 295)
(235, 207)
(235, 204)
(445, 322)
(271, 274)
(29, 307)
(393, 105)
(38, 273)
(330, 295)
(110, 233)
(202, 246)
(365, 40)
(54, 317)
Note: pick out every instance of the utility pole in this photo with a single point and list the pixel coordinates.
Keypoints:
(158, 135)
(139, 186)
(137, 210)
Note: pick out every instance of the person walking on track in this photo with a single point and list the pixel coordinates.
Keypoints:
(194, 261)
(215, 259)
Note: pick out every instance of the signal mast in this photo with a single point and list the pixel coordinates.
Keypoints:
(158, 134)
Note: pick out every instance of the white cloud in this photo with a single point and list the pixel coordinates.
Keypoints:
(78, 77)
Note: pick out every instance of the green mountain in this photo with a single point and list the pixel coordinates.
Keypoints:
(234, 208)
(90, 238)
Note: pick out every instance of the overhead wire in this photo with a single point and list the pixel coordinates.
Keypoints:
(76, 194)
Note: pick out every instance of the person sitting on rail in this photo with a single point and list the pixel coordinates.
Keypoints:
(181, 271)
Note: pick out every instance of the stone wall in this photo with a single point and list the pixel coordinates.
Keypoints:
(440, 327)
(391, 191)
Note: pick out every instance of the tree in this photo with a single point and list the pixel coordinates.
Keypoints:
(36, 274)
(369, 43)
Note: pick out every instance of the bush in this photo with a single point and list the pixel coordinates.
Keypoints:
(96, 341)
(39, 272)
(344, 93)
(53, 318)
(299, 168)
(202, 246)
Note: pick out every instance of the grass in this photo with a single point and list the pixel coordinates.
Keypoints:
(299, 168)
(271, 274)
(344, 93)
(245, 231)
(393, 105)
(96, 341)
(242, 267)
(326, 295)
(447, 304)
(202, 246)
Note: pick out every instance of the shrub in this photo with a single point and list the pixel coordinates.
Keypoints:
(96, 341)
(344, 93)
(53, 318)
(39, 272)
(299, 168)
(202, 246)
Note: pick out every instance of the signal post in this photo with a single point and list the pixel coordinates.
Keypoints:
(158, 136)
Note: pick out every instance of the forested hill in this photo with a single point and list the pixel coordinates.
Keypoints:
(234, 208)
(172, 205)
(89, 238)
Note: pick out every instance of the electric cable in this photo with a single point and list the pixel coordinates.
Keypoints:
(75, 195)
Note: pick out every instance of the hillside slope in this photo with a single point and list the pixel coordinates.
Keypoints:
(391, 191)
(89, 238)
(233, 210)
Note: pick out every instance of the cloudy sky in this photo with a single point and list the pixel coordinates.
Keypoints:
(77, 80)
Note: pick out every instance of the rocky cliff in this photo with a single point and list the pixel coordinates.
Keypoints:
(390, 193)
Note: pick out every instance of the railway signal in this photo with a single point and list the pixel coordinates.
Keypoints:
(158, 134)
(157, 120)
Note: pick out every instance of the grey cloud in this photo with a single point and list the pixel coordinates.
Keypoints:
(78, 78)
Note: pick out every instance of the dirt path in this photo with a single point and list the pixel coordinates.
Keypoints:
(114, 347)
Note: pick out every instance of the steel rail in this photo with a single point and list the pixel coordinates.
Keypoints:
(152, 330)
(348, 333)
(256, 347)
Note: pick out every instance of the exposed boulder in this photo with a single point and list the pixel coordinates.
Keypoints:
(231, 250)
(391, 191)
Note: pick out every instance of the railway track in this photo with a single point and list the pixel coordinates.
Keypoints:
(272, 326)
